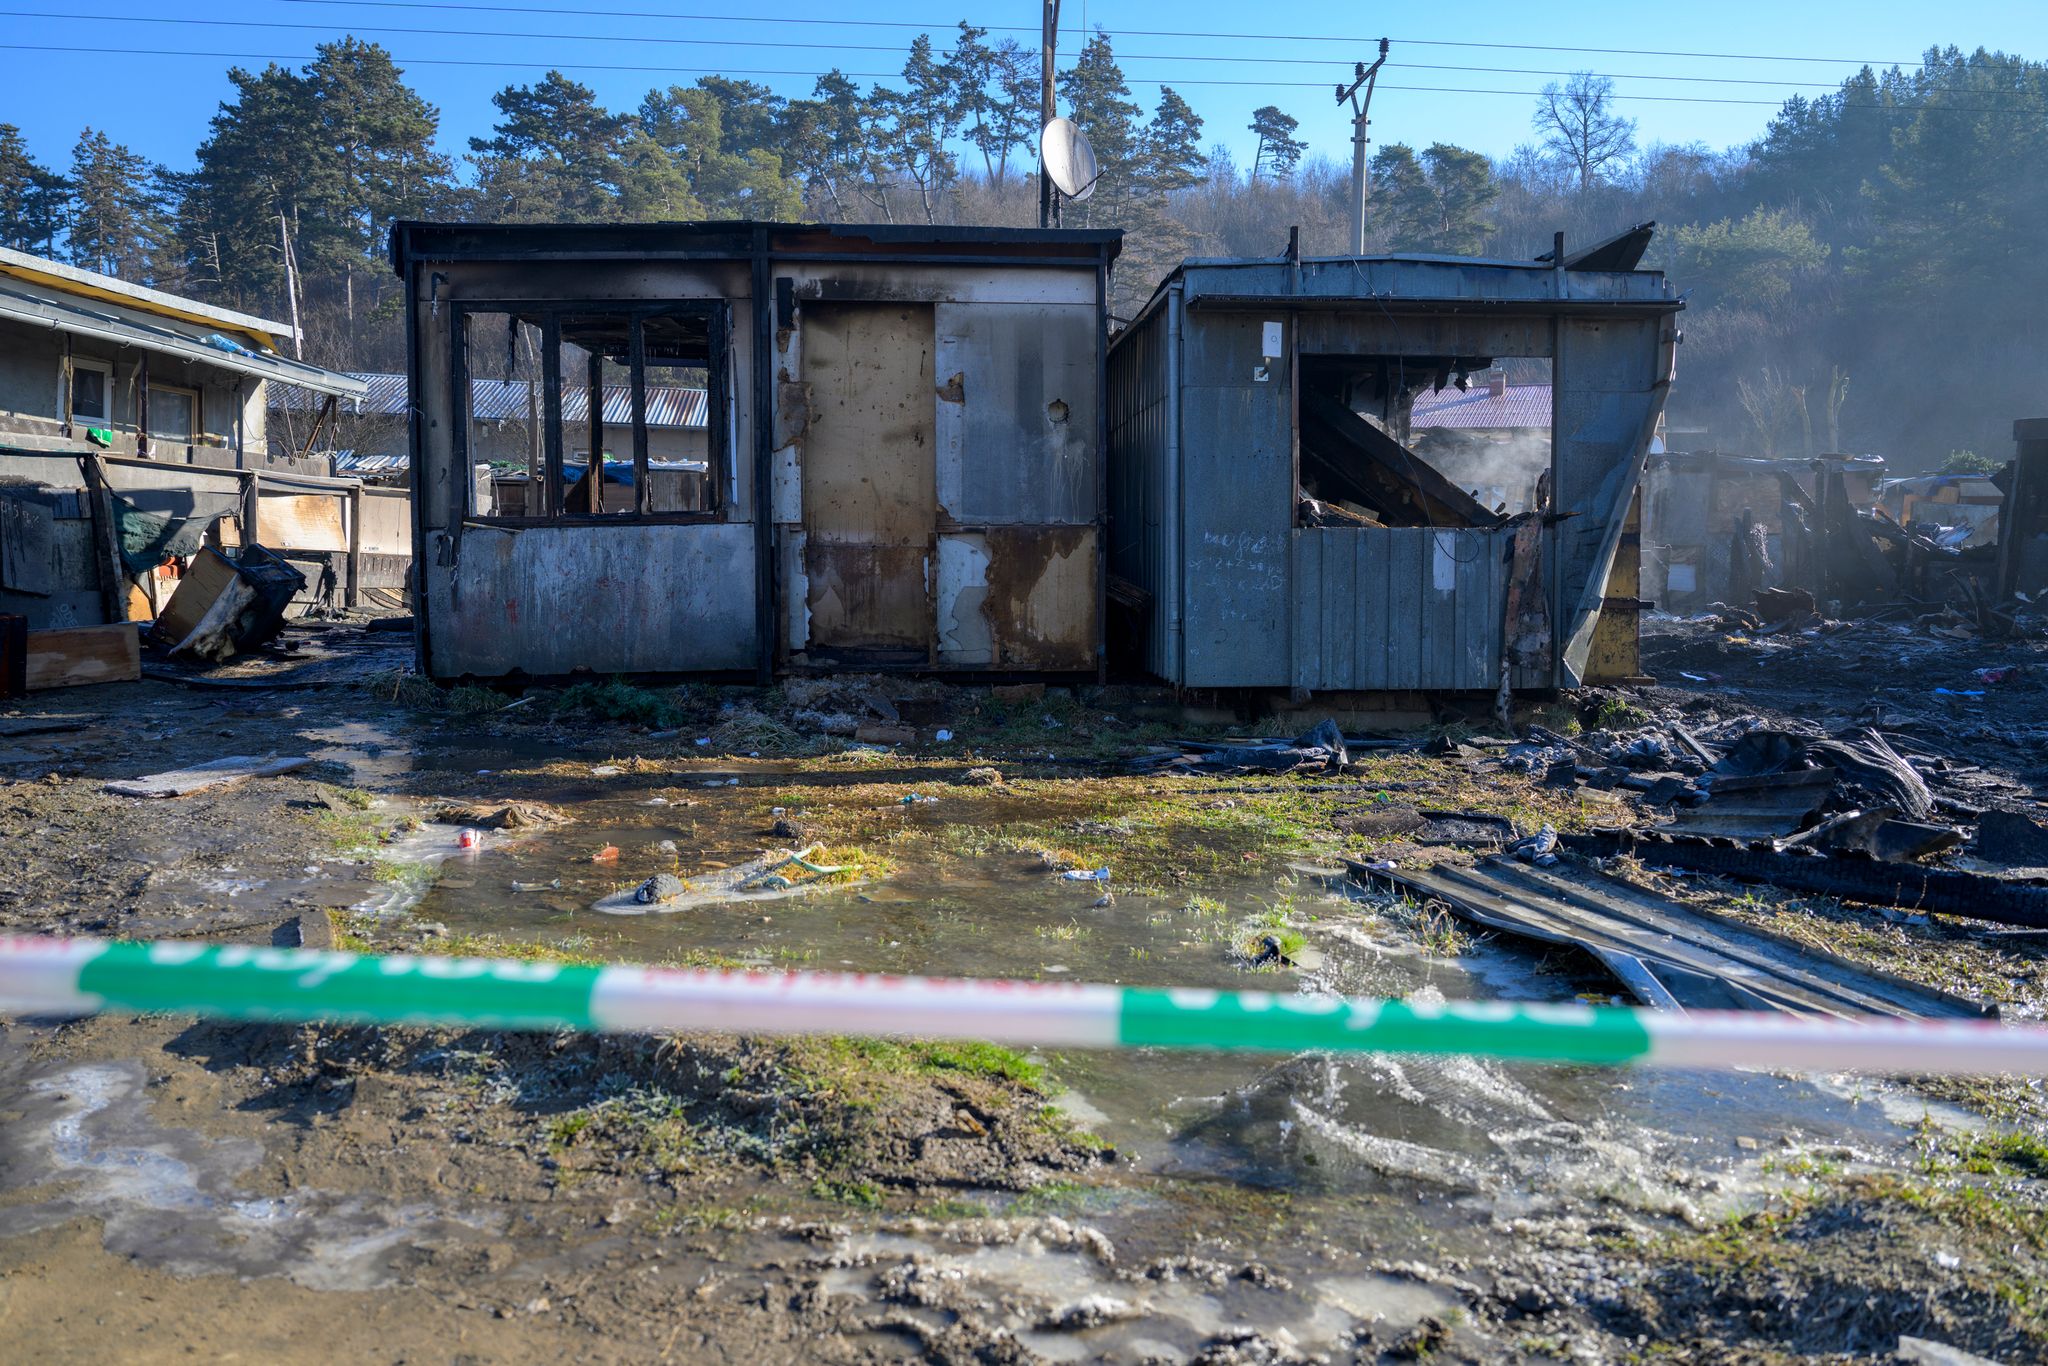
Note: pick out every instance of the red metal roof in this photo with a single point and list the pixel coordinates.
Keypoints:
(1477, 409)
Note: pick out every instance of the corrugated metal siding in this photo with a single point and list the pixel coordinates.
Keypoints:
(1141, 548)
(1399, 608)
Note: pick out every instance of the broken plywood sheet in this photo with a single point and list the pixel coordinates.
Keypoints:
(79, 655)
(182, 782)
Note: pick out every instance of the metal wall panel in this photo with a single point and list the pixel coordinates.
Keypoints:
(1142, 484)
(1236, 469)
(1397, 608)
(1016, 413)
(616, 599)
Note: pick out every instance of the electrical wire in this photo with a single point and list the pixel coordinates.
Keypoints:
(1134, 33)
(644, 39)
(645, 69)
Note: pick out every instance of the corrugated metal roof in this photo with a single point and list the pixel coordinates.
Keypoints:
(498, 400)
(1477, 409)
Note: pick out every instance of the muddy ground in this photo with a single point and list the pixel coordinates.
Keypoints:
(172, 1187)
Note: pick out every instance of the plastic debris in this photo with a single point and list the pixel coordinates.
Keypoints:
(942, 736)
(916, 799)
(1085, 875)
(554, 886)
(608, 854)
(606, 771)
(1539, 849)
(661, 887)
(1997, 675)
(1958, 692)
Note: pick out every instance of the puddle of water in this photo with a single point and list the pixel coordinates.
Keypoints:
(1314, 1124)
(167, 1196)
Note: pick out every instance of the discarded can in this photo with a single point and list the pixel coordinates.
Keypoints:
(470, 839)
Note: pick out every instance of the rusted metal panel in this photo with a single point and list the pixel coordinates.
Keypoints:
(615, 599)
(1379, 609)
(868, 603)
(1617, 654)
(868, 477)
(1016, 399)
(302, 521)
(1018, 598)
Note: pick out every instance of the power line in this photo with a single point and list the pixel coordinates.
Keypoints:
(643, 39)
(1133, 33)
(510, 64)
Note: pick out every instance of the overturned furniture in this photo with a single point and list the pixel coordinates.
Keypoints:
(1274, 521)
(904, 447)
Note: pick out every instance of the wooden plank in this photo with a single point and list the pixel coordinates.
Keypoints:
(303, 521)
(181, 782)
(84, 654)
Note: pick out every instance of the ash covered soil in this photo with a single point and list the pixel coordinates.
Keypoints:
(173, 1187)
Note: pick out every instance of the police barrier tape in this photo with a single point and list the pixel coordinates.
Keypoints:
(82, 976)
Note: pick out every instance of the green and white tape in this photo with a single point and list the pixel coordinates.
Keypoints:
(81, 976)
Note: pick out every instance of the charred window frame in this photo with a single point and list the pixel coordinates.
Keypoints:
(693, 334)
(1356, 462)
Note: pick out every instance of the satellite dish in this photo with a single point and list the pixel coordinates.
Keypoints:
(1068, 159)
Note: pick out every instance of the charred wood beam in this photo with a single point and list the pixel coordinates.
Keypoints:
(1357, 461)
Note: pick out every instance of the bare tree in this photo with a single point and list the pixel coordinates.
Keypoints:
(1578, 125)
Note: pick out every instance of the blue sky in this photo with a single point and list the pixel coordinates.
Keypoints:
(120, 74)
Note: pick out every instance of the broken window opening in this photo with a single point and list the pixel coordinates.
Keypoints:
(583, 412)
(1422, 441)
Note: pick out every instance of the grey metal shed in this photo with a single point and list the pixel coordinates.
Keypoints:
(1271, 524)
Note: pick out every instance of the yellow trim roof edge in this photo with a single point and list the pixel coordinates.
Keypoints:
(87, 284)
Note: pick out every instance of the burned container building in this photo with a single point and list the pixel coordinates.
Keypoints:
(1275, 528)
(904, 448)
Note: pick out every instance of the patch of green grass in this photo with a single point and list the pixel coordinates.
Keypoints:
(569, 951)
(345, 936)
(347, 832)
(1618, 713)
(949, 1208)
(857, 1067)
(352, 797)
(862, 1194)
(423, 694)
(619, 701)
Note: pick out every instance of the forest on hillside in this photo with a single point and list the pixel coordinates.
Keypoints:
(1864, 276)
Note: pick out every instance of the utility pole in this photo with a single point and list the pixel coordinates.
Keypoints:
(1367, 77)
(1049, 41)
(291, 284)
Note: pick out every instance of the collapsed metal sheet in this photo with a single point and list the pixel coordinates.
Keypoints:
(1666, 954)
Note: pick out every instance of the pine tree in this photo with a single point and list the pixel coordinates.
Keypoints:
(924, 116)
(726, 176)
(555, 156)
(116, 218)
(1278, 151)
(377, 162)
(993, 87)
(830, 147)
(1098, 100)
(31, 197)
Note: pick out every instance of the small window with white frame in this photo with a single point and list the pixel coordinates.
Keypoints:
(92, 394)
(173, 415)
